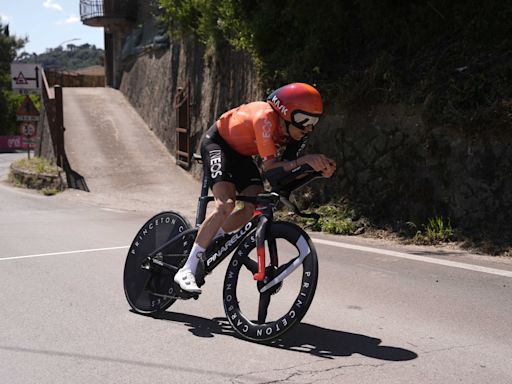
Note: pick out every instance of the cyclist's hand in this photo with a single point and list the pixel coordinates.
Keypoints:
(320, 163)
(331, 168)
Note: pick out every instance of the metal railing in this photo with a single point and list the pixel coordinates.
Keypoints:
(112, 9)
(182, 106)
(53, 107)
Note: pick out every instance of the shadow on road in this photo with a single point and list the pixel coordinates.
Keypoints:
(305, 338)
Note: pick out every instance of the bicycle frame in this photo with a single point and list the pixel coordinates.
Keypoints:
(217, 252)
(148, 276)
(263, 216)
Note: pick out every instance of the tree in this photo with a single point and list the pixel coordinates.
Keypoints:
(9, 100)
(65, 59)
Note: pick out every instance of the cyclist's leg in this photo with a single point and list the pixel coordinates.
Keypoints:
(224, 193)
(241, 216)
(216, 160)
(248, 183)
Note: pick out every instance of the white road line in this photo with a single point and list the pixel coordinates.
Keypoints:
(425, 259)
(62, 253)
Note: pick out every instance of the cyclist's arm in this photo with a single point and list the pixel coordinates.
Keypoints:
(318, 162)
(295, 148)
(274, 163)
(263, 125)
(289, 158)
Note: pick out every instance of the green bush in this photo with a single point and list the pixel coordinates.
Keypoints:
(9, 101)
(333, 219)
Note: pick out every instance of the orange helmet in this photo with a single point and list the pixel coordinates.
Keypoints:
(297, 103)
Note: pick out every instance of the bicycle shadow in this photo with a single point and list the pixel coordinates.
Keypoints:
(304, 338)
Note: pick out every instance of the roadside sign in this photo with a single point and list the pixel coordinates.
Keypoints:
(28, 143)
(26, 78)
(28, 129)
(27, 118)
(27, 111)
(11, 142)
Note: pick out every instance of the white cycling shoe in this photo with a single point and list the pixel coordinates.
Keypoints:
(187, 281)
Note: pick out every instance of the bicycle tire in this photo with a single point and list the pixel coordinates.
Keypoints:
(142, 287)
(262, 329)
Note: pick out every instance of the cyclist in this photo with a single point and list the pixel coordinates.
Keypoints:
(277, 131)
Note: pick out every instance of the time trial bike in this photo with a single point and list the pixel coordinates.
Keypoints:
(270, 280)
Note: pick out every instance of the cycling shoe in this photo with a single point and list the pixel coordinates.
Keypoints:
(186, 280)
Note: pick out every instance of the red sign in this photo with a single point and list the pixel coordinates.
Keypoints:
(27, 108)
(12, 142)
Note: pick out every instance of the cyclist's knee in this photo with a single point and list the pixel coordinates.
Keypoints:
(248, 211)
(224, 208)
(224, 193)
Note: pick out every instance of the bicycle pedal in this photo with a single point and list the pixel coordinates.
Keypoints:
(184, 295)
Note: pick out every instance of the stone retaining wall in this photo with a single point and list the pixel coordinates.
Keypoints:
(219, 81)
(392, 165)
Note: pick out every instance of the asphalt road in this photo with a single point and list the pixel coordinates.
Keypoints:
(382, 313)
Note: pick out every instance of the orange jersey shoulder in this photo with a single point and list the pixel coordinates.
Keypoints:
(251, 129)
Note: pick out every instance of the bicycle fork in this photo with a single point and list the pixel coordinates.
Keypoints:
(262, 233)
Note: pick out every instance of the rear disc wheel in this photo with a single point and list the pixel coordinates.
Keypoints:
(148, 287)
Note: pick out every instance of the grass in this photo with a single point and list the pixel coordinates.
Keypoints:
(49, 191)
(334, 219)
(37, 165)
(436, 230)
(340, 220)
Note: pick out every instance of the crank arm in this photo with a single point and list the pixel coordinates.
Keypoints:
(175, 297)
(164, 296)
(163, 264)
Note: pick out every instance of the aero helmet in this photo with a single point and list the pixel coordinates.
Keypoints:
(297, 103)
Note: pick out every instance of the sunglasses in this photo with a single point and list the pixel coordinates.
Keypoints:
(302, 119)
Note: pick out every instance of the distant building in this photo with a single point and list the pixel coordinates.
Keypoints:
(118, 18)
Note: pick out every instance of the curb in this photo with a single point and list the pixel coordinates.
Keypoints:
(34, 180)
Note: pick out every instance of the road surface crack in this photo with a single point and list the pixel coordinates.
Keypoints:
(303, 373)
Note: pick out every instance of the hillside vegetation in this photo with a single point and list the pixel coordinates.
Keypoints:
(69, 59)
(454, 58)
